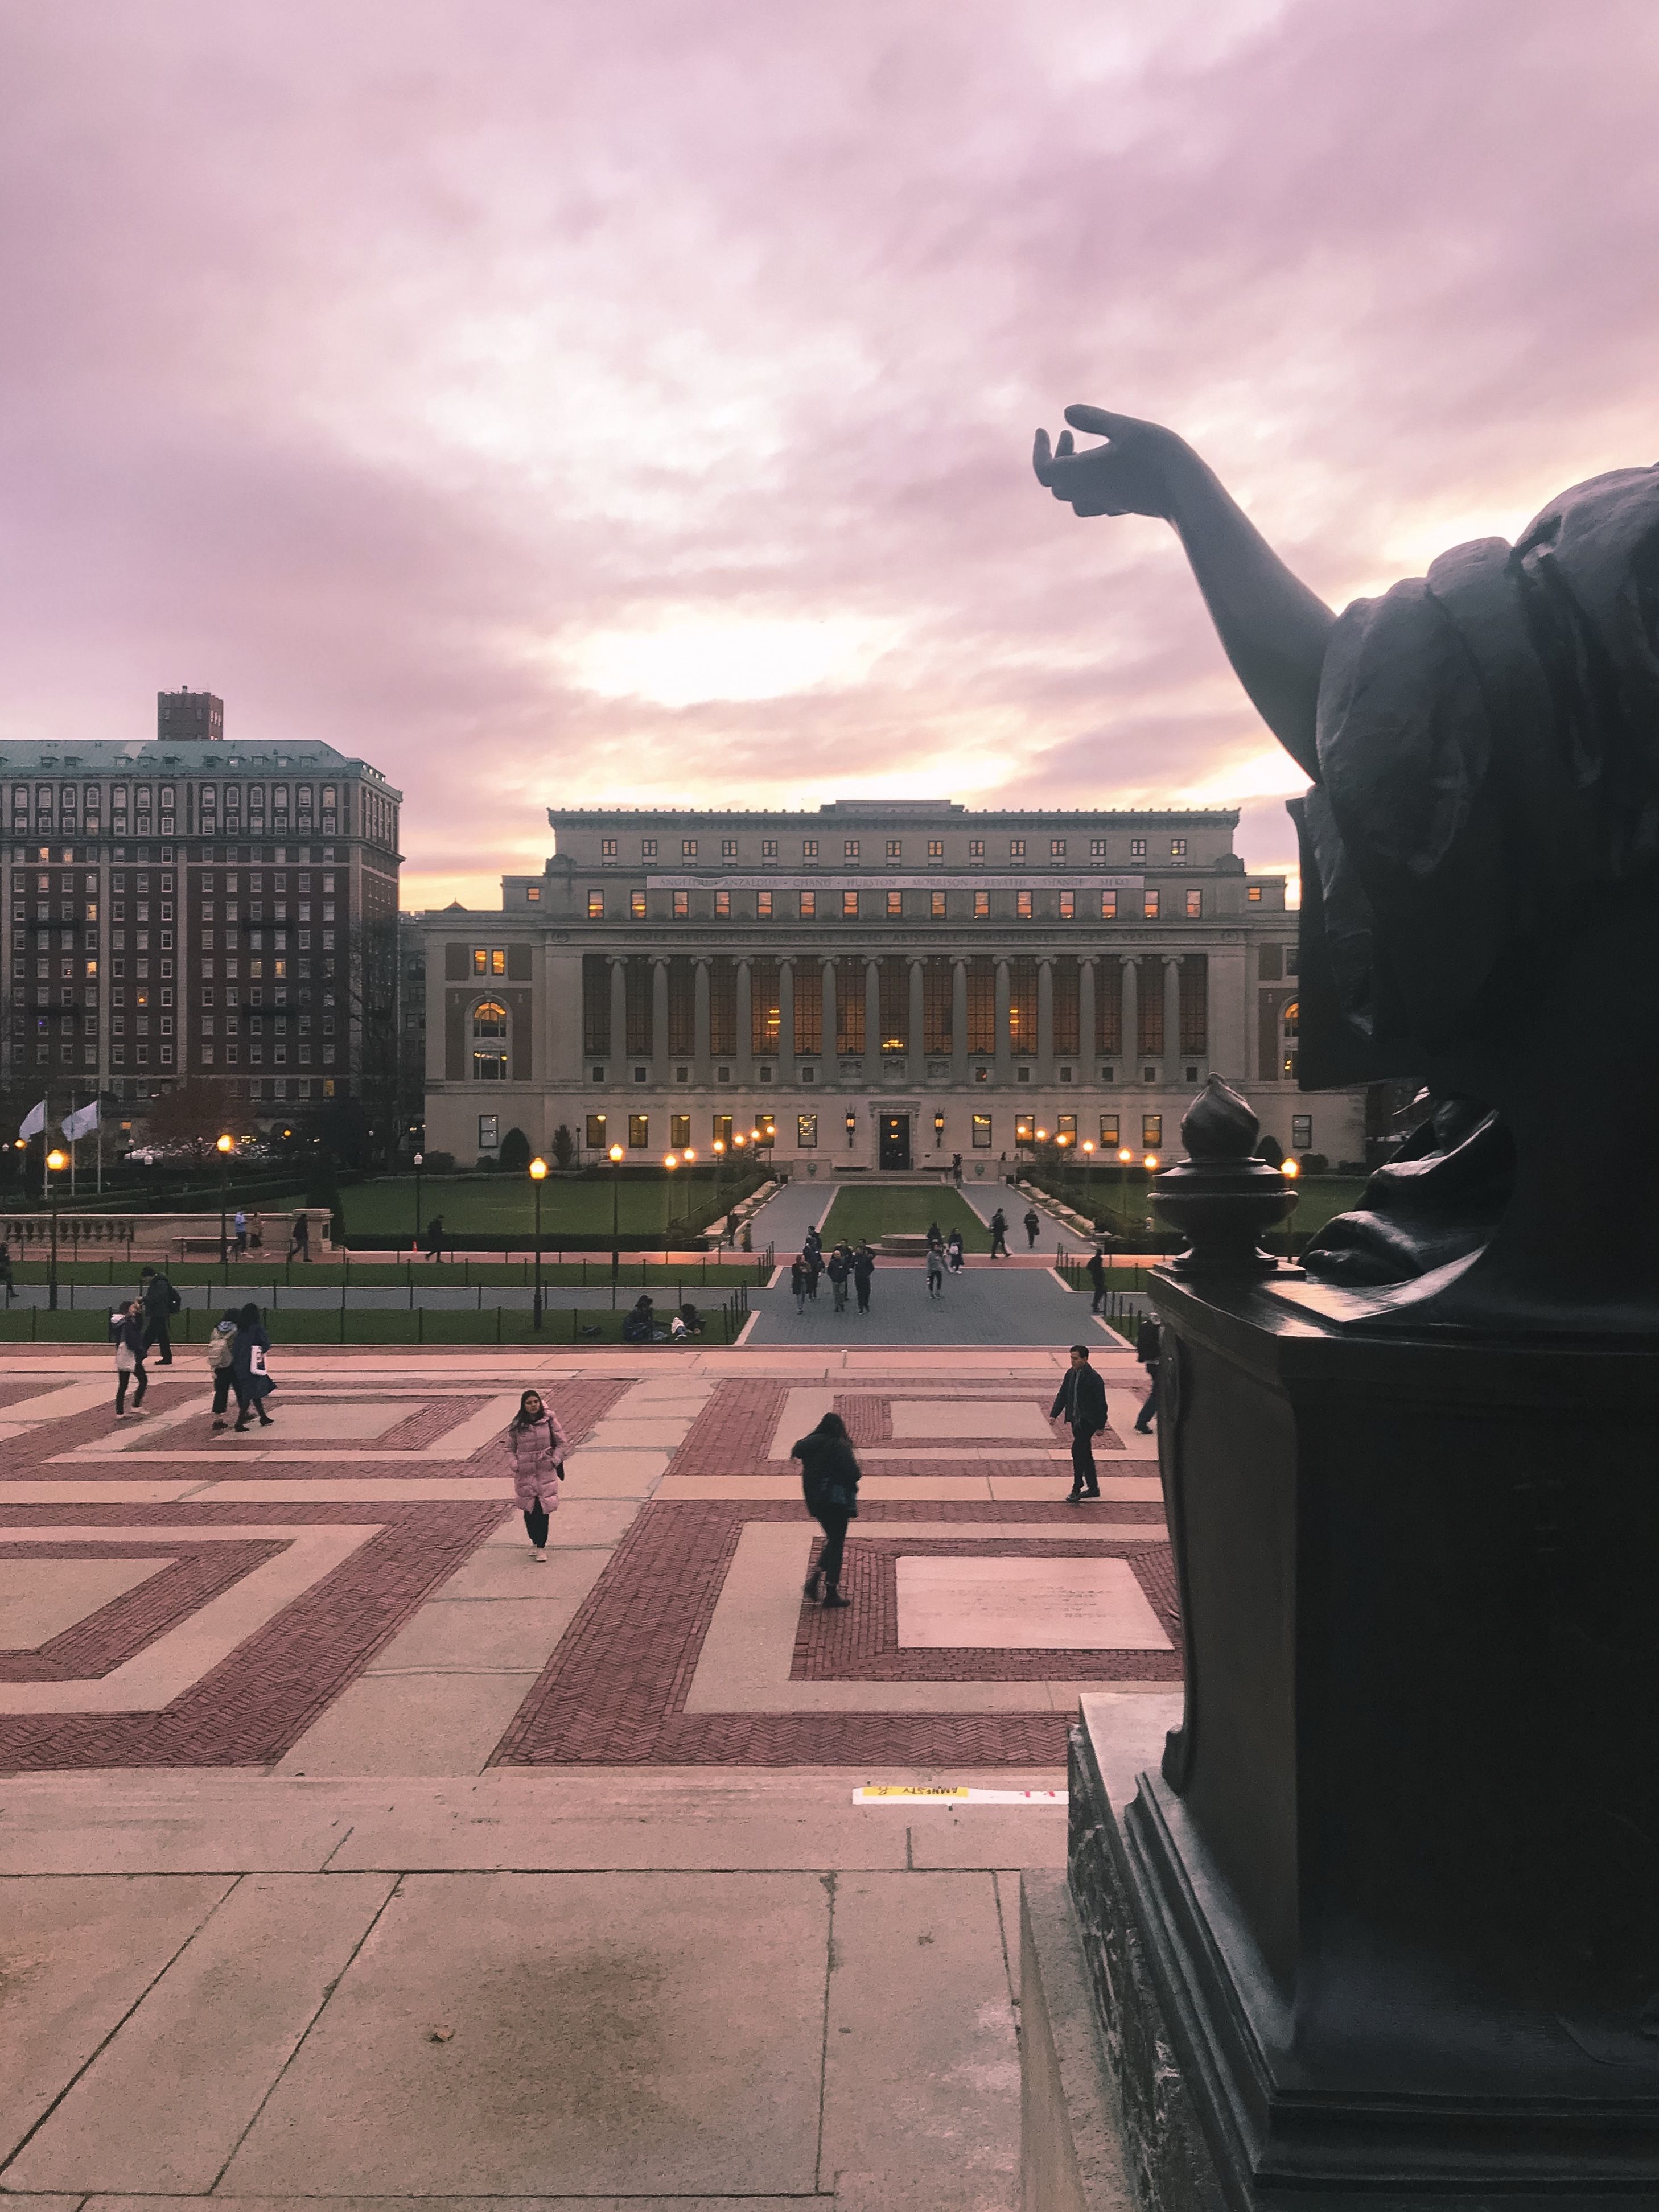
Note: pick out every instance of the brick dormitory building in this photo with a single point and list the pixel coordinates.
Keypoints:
(193, 906)
(876, 985)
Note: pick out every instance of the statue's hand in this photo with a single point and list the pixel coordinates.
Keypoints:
(1136, 473)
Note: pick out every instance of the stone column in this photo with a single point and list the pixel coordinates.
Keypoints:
(827, 1017)
(1131, 1054)
(959, 1021)
(703, 1072)
(871, 1019)
(744, 1058)
(1005, 1057)
(1045, 1035)
(1230, 1023)
(1086, 1025)
(1172, 1020)
(785, 1020)
(659, 1075)
(918, 1040)
(618, 1008)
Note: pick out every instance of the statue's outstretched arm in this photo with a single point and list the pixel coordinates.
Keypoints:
(1274, 629)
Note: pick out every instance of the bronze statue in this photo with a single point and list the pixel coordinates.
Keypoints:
(1480, 877)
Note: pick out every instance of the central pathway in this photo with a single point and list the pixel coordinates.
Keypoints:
(350, 1852)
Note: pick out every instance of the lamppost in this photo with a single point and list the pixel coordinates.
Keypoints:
(1124, 1156)
(615, 1157)
(420, 1161)
(56, 1163)
(671, 1161)
(538, 1177)
(719, 1165)
(1290, 1170)
(224, 1147)
(1088, 1161)
(1151, 1165)
(852, 1128)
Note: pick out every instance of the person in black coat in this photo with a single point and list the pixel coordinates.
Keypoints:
(829, 1482)
(1080, 1402)
(248, 1376)
(1149, 1347)
(1097, 1275)
(864, 1267)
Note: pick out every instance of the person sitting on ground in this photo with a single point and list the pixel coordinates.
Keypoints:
(639, 1325)
(1033, 1223)
(538, 1445)
(688, 1322)
(220, 1357)
(829, 1483)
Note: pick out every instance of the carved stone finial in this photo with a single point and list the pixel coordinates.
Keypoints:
(1219, 1125)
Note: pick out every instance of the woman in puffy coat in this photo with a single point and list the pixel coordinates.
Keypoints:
(538, 1445)
(829, 1481)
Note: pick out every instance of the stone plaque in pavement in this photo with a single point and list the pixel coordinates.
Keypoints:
(939, 1420)
(1024, 1605)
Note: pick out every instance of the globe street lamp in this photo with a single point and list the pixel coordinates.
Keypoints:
(420, 1161)
(1151, 1165)
(56, 1163)
(224, 1147)
(1088, 1161)
(1290, 1170)
(538, 1177)
(671, 1161)
(615, 1157)
(1124, 1155)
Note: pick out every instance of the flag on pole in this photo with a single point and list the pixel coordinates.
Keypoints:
(81, 1123)
(34, 1123)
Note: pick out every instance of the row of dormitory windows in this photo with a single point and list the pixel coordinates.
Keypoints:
(144, 803)
(1146, 905)
(862, 992)
(1115, 1131)
(892, 849)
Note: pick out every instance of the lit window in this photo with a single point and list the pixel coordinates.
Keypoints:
(1194, 906)
(480, 960)
(533, 892)
(1057, 848)
(728, 849)
(763, 906)
(497, 961)
(1301, 1132)
(1016, 848)
(808, 848)
(1022, 905)
(682, 905)
(981, 1132)
(850, 905)
(936, 905)
(639, 1132)
(596, 906)
(636, 905)
(608, 848)
(1177, 848)
(489, 1042)
(982, 906)
(1096, 848)
(1253, 894)
(806, 1132)
(769, 849)
(976, 849)
(851, 849)
(1149, 906)
(679, 1131)
(1137, 848)
(1108, 1140)
(688, 848)
(1151, 1131)
(1108, 906)
(648, 852)
(896, 902)
(722, 906)
(1068, 906)
(596, 1133)
(809, 905)
(896, 849)
(935, 848)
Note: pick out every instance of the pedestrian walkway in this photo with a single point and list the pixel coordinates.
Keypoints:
(1054, 1235)
(793, 1208)
(351, 1852)
(990, 1302)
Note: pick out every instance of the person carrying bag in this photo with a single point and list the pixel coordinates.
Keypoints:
(829, 1483)
(538, 1446)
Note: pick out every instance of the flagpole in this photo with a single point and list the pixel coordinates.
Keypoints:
(71, 1117)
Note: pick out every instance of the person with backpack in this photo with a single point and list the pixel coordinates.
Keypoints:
(1033, 1223)
(249, 1374)
(999, 1226)
(829, 1484)
(538, 1445)
(221, 1356)
(1149, 1347)
(160, 1302)
(127, 1328)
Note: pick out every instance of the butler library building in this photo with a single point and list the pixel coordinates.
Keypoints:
(875, 986)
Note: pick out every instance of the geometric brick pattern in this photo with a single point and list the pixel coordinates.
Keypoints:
(129, 1624)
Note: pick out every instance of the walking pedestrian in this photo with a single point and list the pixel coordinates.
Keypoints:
(129, 1331)
(1033, 1223)
(220, 1357)
(160, 1302)
(814, 1257)
(538, 1446)
(800, 1276)
(1149, 1350)
(935, 1265)
(300, 1242)
(249, 1375)
(256, 1232)
(955, 1169)
(5, 1270)
(1080, 1402)
(829, 1483)
(1097, 1275)
(838, 1272)
(864, 1268)
(953, 1252)
(998, 1234)
(239, 1228)
(434, 1239)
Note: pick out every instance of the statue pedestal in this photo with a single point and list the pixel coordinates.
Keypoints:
(1393, 1902)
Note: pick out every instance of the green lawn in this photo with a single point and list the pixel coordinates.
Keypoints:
(727, 1271)
(473, 1205)
(898, 1209)
(495, 1325)
(1318, 1198)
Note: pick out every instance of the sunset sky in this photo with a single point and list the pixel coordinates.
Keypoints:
(584, 403)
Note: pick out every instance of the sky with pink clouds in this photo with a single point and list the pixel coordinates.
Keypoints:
(563, 404)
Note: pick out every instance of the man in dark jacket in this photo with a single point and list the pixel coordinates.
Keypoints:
(998, 1227)
(1080, 1402)
(864, 1267)
(161, 1302)
(1149, 1347)
(839, 1270)
(1033, 1223)
(829, 1482)
(1097, 1275)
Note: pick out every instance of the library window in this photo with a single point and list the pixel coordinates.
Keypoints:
(1194, 906)
(639, 1132)
(1108, 1139)
(1068, 906)
(636, 905)
(489, 1126)
(808, 848)
(1057, 848)
(486, 959)
(976, 849)
(728, 849)
(850, 905)
(1253, 895)
(1151, 1131)
(806, 1132)
(596, 1133)
(682, 905)
(982, 906)
(1301, 1132)
(688, 848)
(981, 1132)
(648, 852)
(936, 905)
(722, 906)
(1177, 848)
(850, 850)
(679, 1131)
(895, 902)
(935, 848)
(1016, 848)
(1137, 848)
(763, 906)
(1096, 848)
(769, 849)
(1022, 905)
(896, 849)
(809, 905)
(596, 906)
(1108, 906)
(1149, 905)
(608, 848)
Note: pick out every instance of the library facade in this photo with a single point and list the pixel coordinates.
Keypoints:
(872, 986)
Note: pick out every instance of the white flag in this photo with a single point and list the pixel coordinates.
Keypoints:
(35, 1122)
(81, 1123)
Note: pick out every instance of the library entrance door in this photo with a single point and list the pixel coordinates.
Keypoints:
(896, 1141)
